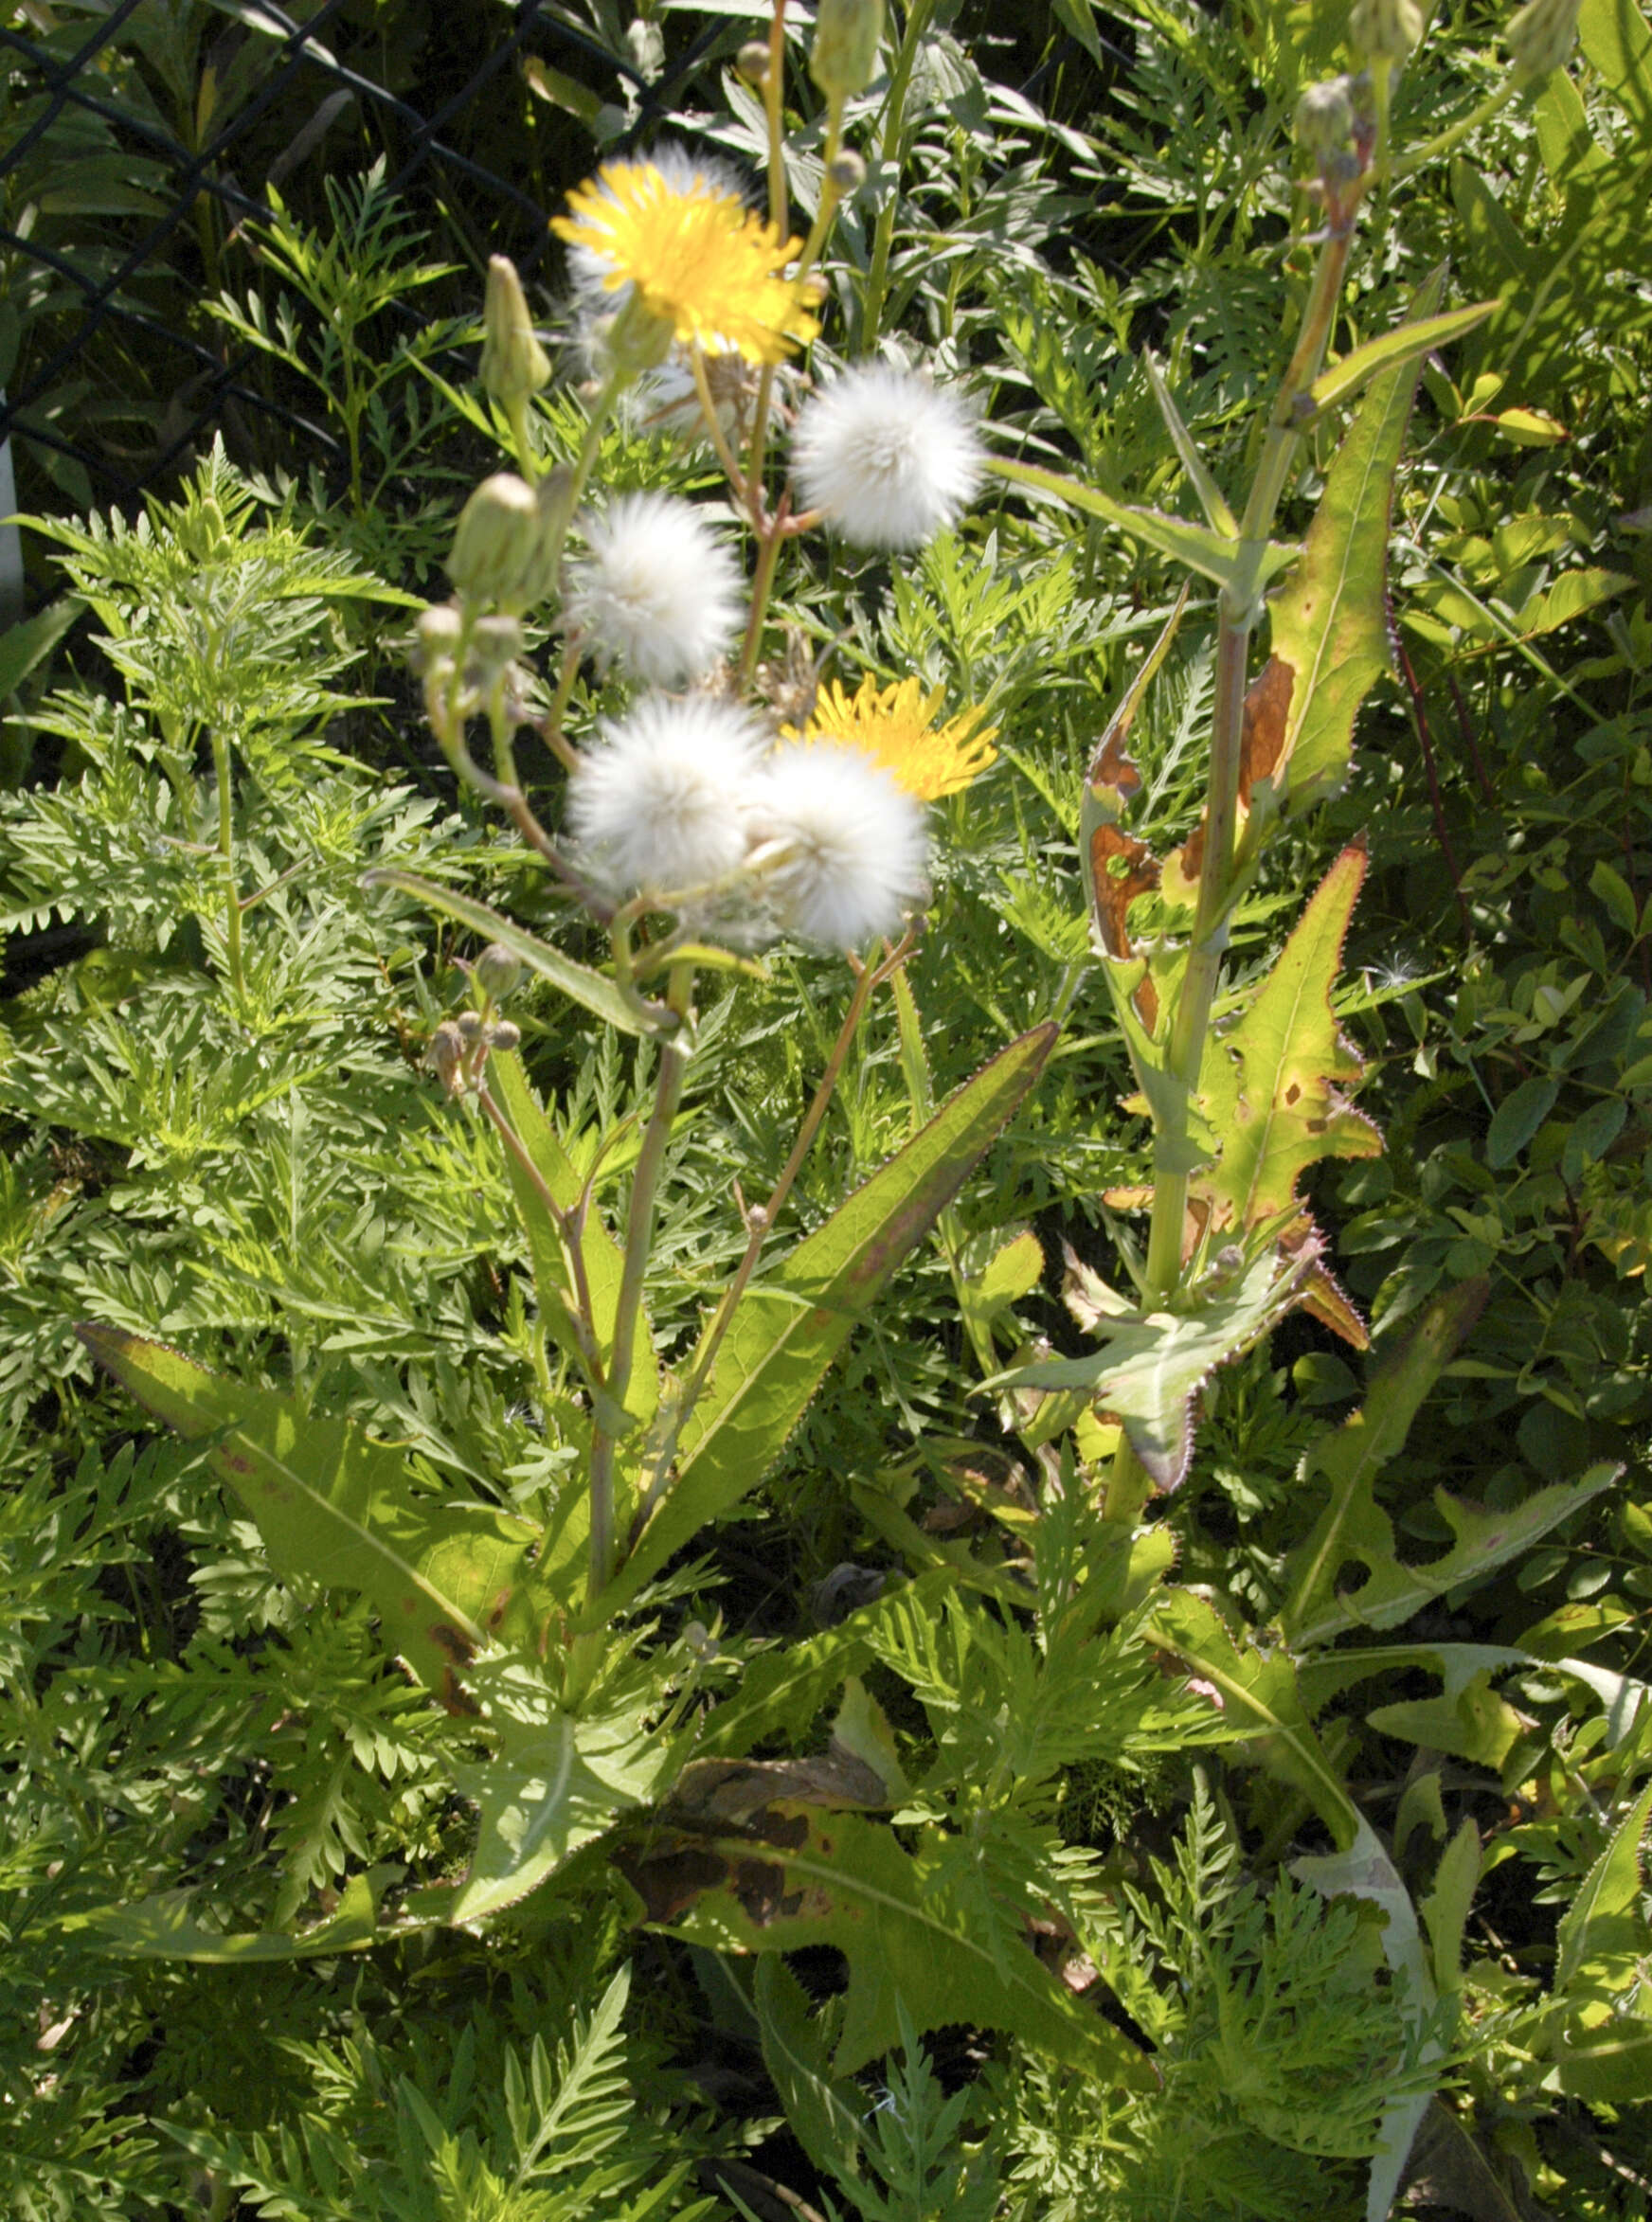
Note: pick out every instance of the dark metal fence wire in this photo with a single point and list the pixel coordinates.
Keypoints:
(299, 51)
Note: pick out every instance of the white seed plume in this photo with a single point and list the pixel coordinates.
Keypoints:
(660, 591)
(664, 802)
(853, 843)
(889, 457)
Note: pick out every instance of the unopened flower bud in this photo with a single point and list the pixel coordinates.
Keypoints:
(469, 1024)
(439, 632)
(1324, 120)
(503, 1035)
(494, 643)
(1384, 30)
(514, 364)
(843, 59)
(1541, 35)
(446, 1056)
(495, 540)
(636, 339)
(846, 172)
(752, 62)
(496, 972)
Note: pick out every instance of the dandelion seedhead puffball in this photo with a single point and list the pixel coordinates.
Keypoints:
(664, 802)
(855, 847)
(889, 457)
(660, 591)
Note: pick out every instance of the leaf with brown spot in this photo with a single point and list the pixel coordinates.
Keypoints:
(1267, 703)
(1269, 1086)
(1121, 867)
(918, 1928)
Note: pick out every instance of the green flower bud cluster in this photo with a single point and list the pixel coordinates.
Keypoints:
(1541, 35)
(1385, 31)
(848, 33)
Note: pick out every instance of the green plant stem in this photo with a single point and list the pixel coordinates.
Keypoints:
(590, 446)
(714, 432)
(639, 1224)
(1443, 142)
(1239, 607)
(774, 104)
(226, 850)
(769, 551)
(878, 277)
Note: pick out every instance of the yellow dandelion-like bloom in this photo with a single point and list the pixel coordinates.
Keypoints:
(699, 259)
(896, 727)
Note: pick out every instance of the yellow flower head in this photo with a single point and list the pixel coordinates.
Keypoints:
(699, 259)
(896, 728)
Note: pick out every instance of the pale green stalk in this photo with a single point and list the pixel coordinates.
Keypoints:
(226, 850)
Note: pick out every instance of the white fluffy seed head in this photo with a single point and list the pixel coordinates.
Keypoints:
(889, 457)
(660, 590)
(853, 847)
(665, 802)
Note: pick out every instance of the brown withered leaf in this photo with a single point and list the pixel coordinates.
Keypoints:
(736, 1790)
(1266, 721)
(1113, 779)
(1117, 889)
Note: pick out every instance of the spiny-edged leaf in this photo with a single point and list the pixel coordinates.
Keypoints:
(913, 1926)
(335, 1506)
(1459, 1666)
(549, 1786)
(824, 2113)
(1348, 1458)
(1155, 1362)
(1329, 621)
(1196, 545)
(1364, 1870)
(599, 1253)
(787, 1328)
(1473, 1723)
(1605, 1918)
(784, 1690)
(594, 990)
(1256, 1691)
(162, 1927)
(1267, 1085)
(1481, 1541)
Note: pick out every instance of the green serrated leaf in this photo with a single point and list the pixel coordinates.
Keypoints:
(593, 990)
(1268, 1084)
(162, 1927)
(1348, 1459)
(338, 1508)
(1154, 1362)
(789, 1326)
(1257, 1694)
(823, 2111)
(911, 1926)
(1197, 547)
(1329, 621)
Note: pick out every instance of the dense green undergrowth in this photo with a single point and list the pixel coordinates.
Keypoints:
(1120, 1956)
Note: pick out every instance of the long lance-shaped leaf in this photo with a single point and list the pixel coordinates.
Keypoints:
(163, 1927)
(336, 1507)
(1196, 545)
(1329, 622)
(1267, 1085)
(916, 1928)
(1417, 337)
(788, 1329)
(577, 981)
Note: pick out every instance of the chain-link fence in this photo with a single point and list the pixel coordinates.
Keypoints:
(137, 138)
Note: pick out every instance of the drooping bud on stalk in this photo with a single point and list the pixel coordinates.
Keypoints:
(752, 62)
(440, 630)
(1540, 37)
(495, 642)
(503, 1035)
(514, 364)
(843, 59)
(446, 1056)
(496, 541)
(847, 173)
(1384, 30)
(1324, 118)
(496, 972)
